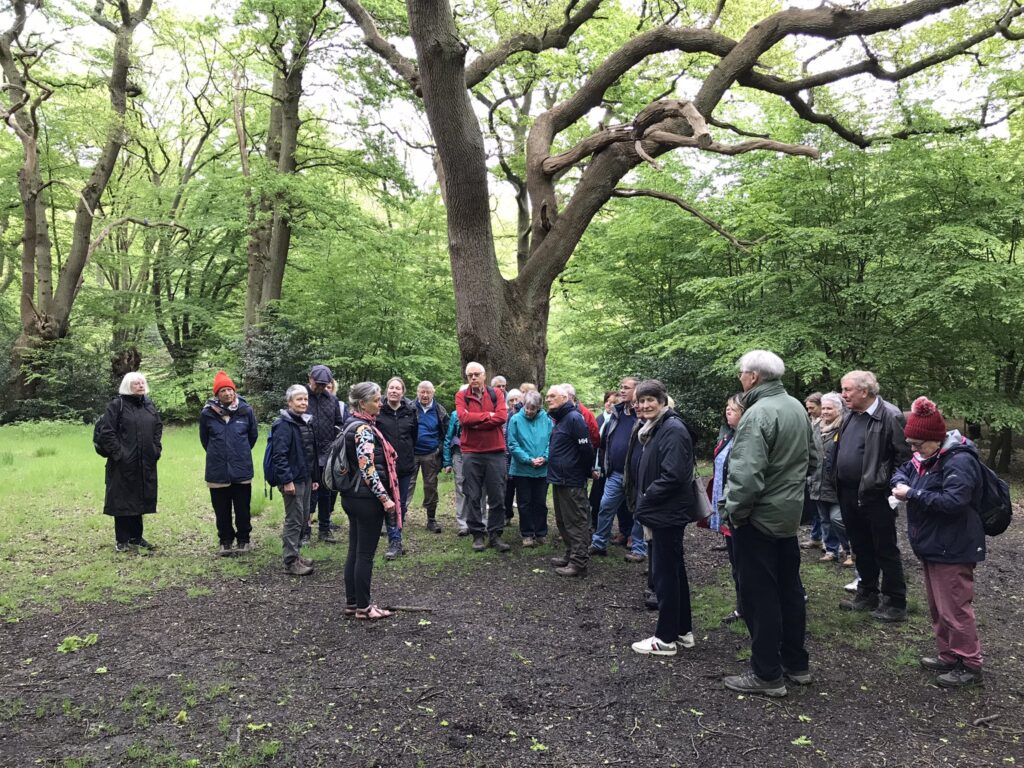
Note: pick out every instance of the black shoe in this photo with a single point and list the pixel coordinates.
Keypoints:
(936, 664)
(432, 526)
(730, 618)
(395, 550)
(598, 551)
(862, 601)
(889, 613)
(479, 542)
(560, 561)
(799, 678)
(650, 600)
(124, 547)
(571, 570)
(751, 683)
(335, 527)
(141, 542)
(959, 677)
(498, 544)
(326, 537)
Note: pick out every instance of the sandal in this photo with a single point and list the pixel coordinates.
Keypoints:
(350, 610)
(372, 613)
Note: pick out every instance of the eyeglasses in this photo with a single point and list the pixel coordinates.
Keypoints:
(915, 444)
(501, 386)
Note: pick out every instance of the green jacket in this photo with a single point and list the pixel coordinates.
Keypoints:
(773, 452)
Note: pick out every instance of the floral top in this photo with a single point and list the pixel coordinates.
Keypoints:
(365, 444)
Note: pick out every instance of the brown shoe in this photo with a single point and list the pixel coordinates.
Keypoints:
(828, 557)
(298, 568)
(633, 557)
(848, 562)
(571, 570)
(560, 561)
(617, 540)
(529, 542)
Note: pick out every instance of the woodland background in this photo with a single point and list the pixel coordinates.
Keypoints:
(255, 190)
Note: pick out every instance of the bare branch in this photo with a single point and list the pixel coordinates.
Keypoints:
(559, 37)
(716, 15)
(743, 245)
(131, 220)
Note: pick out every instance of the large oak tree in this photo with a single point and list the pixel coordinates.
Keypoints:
(503, 322)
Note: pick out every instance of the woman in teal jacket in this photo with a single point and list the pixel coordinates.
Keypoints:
(529, 435)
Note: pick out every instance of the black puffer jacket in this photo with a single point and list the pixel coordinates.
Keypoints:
(327, 421)
(663, 484)
(400, 426)
(130, 433)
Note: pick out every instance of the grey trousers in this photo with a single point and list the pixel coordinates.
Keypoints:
(572, 515)
(430, 465)
(296, 512)
(460, 496)
(484, 473)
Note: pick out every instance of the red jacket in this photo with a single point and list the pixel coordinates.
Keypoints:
(592, 428)
(481, 421)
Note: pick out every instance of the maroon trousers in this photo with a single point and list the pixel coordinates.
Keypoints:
(950, 589)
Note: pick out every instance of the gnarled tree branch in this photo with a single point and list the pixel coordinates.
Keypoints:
(743, 245)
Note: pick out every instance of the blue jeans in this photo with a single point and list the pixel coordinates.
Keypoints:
(614, 494)
(832, 527)
(404, 481)
(639, 545)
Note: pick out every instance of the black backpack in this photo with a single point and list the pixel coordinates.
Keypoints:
(339, 475)
(996, 508)
(97, 444)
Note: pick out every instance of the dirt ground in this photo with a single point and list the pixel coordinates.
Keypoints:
(513, 666)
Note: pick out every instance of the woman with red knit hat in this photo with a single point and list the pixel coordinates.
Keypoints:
(942, 486)
(228, 431)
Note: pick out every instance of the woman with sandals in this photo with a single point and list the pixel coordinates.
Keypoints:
(369, 500)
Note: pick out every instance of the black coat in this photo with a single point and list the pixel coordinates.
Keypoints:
(885, 449)
(664, 480)
(130, 433)
(327, 421)
(400, 426)
(571, 454)
(228, 444)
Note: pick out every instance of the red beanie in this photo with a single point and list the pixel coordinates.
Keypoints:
(925, 421)
(222, 380)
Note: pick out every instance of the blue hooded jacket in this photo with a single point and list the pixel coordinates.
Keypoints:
(228, 444)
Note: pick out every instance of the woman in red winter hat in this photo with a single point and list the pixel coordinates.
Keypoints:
(942, 486)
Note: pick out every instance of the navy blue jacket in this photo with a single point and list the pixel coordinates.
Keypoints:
(228, 445)
(287, 452)
(664, 479)
(943, 523)
(571, 454)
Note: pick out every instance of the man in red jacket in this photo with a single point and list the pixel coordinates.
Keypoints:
(592, 428)
(481, 410)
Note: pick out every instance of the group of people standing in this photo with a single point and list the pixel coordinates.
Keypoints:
(849, 452)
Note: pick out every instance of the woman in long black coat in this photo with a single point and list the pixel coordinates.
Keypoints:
(129, 434)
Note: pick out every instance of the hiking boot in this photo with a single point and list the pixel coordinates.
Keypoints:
(889, 613)
(305, 560)
(617, 540)
(650, 600)
(395, 550)
(541, 541)
(496, 542)
(828, 557)
(686, 640)
(224, 550)
(560, 561)
(860, 602)
(479, 542)
(848, 561)
(598, 551)
(937, 664)
(141, 542)
(633, 557)
(529, 542)
(571, 570)
(652, 646)
(463, 532)
(959, 677)
(432, 525)
(245, 546)
(124, 547)
(751, 683)
(802, 677)
(326, 537)
(810, 543)
(297, 568)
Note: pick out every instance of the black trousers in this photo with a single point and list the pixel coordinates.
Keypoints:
(871, 528)
(596, 492)
(731, 549)
(365, 519)
(127, 529)
(772, 598)
(237, 496)
(510, 496)
(668, 569)
(323, 503)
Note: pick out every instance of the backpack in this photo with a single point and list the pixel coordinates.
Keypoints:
(269, 471)
(97, 444)
(996, 509)
(339, 476)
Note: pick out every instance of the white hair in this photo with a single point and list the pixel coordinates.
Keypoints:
(496, 379)
(423, 384)
(863, 380)
(835, 399)
(558, 389)
(129, 379)
(765, 364)
(570, 390)
(513, 394)
(294, 390)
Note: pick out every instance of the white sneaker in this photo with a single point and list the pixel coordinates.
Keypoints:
(652, 646)
(852, 586)
(686, 640)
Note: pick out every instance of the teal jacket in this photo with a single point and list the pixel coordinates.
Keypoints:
(452, 439)
(772, 455)
(528, 439)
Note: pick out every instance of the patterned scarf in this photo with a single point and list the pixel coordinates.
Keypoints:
(390, 458)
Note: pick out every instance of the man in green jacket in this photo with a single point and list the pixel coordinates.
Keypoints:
(773, 452)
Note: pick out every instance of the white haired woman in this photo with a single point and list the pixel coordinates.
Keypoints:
(129, 435)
